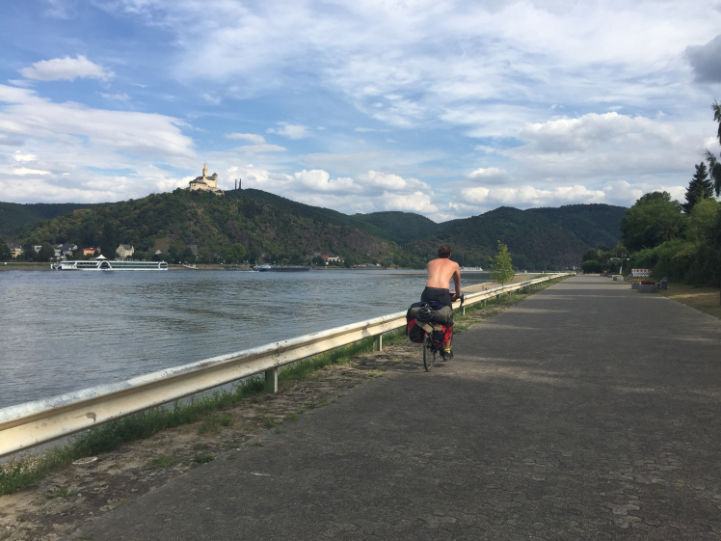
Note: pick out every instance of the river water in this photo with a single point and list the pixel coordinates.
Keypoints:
(65, 331)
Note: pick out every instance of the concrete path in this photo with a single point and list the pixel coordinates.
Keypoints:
(588, 411)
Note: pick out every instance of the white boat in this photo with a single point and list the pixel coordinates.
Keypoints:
(109, 265)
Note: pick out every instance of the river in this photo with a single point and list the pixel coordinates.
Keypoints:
(65, 331)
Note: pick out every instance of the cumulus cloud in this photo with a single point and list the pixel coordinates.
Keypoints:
(66, 69)
(706, 60)
(594, 146)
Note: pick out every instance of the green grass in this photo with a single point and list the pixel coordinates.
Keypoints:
(27, 471)
(163, 462)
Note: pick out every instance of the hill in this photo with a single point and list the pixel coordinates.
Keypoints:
(398, 227)
(544, 238)
(16, 219)
(252, 225)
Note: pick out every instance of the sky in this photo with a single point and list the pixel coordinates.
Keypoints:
(445, 108)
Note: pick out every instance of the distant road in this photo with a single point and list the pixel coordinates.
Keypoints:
(588, 411)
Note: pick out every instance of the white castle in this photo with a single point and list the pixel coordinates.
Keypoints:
(206, 183)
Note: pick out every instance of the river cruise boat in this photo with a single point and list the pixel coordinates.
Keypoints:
(109, 265)
(281, 268)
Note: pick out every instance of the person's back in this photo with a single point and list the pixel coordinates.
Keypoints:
(440, 272)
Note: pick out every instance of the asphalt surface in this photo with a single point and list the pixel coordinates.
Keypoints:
(588, 411)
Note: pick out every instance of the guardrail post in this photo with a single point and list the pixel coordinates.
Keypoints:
(271, 380)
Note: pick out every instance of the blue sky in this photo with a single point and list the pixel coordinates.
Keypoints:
(444, 108)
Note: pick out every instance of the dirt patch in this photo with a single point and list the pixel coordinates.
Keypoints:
(63, 501)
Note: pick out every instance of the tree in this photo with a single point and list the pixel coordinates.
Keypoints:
(699, 188)
(702, 220)
(4, 251)
(502, 269)
(713, 165)
(652, 220)
(46, 253)
(234, 253)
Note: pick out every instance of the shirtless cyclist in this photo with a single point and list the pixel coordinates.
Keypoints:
(440, 272)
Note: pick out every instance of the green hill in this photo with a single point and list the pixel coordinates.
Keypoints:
(546, 238)
(398, 227)
(17, 219)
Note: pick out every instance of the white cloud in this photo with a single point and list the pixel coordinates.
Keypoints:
(250, 137)
(490, 175)
(292, 131)
(318, 180)
(24, 171)
(23, 157)
(72, 145)
(66, 69)
(530, 196)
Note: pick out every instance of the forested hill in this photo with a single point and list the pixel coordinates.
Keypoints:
(543, 238)
(17, 219)
(258, 226)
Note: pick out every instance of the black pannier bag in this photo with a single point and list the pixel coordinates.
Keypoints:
(423, 312)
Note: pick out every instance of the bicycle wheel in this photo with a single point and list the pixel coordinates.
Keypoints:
(428, 355)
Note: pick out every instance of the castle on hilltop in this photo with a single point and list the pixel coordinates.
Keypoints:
(206, 183)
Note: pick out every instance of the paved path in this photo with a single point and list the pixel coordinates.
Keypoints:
(589, 411)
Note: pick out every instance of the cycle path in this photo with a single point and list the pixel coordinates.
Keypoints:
(588, 411)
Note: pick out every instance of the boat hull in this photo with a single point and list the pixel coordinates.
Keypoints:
(109, 265)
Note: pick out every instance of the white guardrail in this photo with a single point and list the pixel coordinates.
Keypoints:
(31, 423)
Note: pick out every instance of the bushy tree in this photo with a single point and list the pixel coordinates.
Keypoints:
(702, 220)
(652, 220)
(502, 268)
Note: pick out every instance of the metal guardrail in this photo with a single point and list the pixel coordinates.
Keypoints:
(32, 423)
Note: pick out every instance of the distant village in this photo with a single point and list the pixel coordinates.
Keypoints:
(68, 250)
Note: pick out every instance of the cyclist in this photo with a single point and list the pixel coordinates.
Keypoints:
(440, 271)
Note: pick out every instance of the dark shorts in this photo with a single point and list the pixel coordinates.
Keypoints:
(436, 294)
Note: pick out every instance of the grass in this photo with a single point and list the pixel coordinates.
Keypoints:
(704, 299)
(27, 471)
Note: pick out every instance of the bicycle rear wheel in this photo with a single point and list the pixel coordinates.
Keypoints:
(428, 354)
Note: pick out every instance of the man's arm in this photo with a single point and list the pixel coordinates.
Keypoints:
(457, 282)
